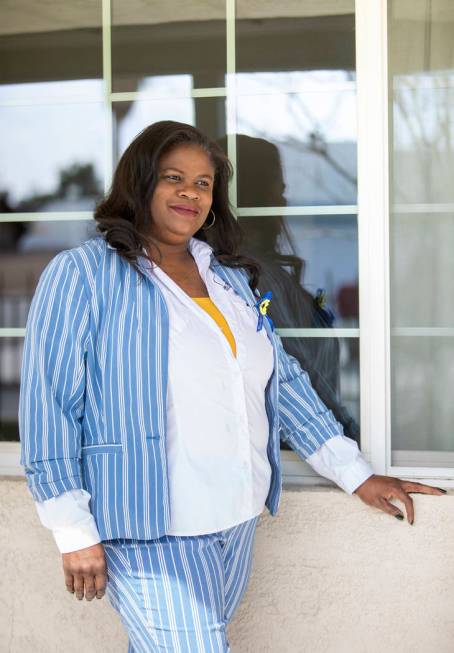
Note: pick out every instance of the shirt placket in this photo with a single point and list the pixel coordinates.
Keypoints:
(219, 292)
(239, 422)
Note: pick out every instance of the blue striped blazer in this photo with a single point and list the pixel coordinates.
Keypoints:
(92, 402)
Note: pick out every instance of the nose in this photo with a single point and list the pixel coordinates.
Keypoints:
(190, 194)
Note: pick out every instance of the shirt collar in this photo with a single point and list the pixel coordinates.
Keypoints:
(200, 250)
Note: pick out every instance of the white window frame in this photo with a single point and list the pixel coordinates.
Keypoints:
(371, 24)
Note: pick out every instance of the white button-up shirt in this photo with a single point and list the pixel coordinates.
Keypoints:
(217, 426)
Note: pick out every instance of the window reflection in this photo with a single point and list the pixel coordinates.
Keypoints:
(314, 134)
(423, 156)
(26, 248)
(52, 156)
(314, 252)
(421, 248)
(422, 410)
(46, 92)
(333, 367)
(157, 38)
(311, 262)
(421, 60)
(279, 246)
(49, 41)
(421, 63)
(131, 117)
(295, 35)
(10, 365)
(167, 85)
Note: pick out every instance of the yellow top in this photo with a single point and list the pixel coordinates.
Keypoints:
(210, 307)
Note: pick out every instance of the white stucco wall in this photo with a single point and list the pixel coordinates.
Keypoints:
(330, 575)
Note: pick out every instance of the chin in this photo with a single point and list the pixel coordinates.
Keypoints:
(181, 230)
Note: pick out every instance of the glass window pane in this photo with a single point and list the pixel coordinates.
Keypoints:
(311, 265)
(131, 117)
(295, 35)
(52, 156)
(296, 106)
(10, 364)
(422, 246)
(51, 106)
(421, 60)
(306, 157)
(333, 368)
(422, 407)
(48, 42)
(26, 248)
(155, 39)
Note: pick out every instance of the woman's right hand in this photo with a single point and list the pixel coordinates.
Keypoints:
(86, 570)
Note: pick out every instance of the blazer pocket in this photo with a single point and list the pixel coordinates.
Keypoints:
(92, 449)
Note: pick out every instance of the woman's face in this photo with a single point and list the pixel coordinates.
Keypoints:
(183, 194)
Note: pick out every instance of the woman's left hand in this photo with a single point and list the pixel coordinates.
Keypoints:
(377, 490)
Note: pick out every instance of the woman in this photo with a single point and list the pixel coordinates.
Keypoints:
(153, 394)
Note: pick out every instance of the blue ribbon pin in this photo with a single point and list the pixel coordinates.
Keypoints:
(262, 305)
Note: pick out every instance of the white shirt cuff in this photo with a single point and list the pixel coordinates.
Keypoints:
(69, 518)
(340, 460)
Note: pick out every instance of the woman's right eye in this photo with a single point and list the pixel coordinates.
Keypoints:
(172, 177)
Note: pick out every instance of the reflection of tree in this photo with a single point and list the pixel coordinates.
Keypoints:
(76, 180)
(317, 142)
(422, 104)
(10, 231)
(81, 177)
(76, 188)
(308, 133)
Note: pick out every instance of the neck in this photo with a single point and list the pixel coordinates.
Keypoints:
(172, 254)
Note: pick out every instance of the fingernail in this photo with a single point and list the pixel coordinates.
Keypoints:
(399, 517)
(441, 489)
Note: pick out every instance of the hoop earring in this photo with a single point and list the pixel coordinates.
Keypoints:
(214, 220)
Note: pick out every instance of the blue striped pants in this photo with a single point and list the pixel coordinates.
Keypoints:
(177, 593)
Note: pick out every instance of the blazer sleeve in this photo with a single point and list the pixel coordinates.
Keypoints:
(305, 423)
(52, 385)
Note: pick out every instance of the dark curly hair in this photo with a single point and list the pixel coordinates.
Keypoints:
(123, 216)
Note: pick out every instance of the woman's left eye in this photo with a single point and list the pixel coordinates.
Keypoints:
(201, 182)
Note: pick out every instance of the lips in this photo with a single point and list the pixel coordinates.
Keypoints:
(182, 209)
